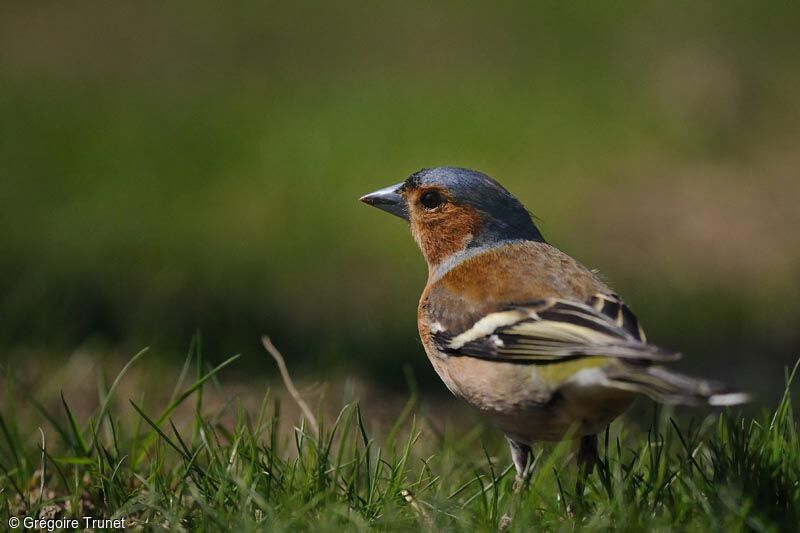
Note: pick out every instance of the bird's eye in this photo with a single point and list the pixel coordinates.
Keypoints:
(431, 199)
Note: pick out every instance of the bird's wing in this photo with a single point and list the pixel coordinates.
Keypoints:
(553, 330)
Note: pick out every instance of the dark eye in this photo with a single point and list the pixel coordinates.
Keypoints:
(431, 199)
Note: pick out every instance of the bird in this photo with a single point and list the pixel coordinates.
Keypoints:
(524, 333)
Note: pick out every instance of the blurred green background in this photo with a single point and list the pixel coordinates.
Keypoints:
(172, 167)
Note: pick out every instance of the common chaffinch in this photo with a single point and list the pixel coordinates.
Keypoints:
(519, 329)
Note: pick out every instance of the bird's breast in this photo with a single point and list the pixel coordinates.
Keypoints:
(491, 386)
(528, 402)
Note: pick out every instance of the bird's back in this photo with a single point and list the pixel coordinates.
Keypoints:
(510, 274)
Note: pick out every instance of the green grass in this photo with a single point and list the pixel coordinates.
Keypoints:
(234, 469)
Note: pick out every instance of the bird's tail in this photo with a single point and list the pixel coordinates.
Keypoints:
(670, 387)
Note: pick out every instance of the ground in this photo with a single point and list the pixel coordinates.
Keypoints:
(205, 454)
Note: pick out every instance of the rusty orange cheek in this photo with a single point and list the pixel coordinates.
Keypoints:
(445, 231)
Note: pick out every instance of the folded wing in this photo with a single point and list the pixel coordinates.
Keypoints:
(553, 330)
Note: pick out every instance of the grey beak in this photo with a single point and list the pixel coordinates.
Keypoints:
(388, 199)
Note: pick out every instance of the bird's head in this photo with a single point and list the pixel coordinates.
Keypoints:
(452, 210)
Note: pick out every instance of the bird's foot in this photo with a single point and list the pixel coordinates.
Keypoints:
(504, 524)
(522, 482)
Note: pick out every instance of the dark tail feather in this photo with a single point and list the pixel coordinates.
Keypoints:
(670, 387)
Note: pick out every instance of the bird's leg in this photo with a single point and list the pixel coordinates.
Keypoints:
(522, 455)
(523, 461)
(587, 459)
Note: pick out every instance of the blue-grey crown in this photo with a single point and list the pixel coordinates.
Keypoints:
(504, 217)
